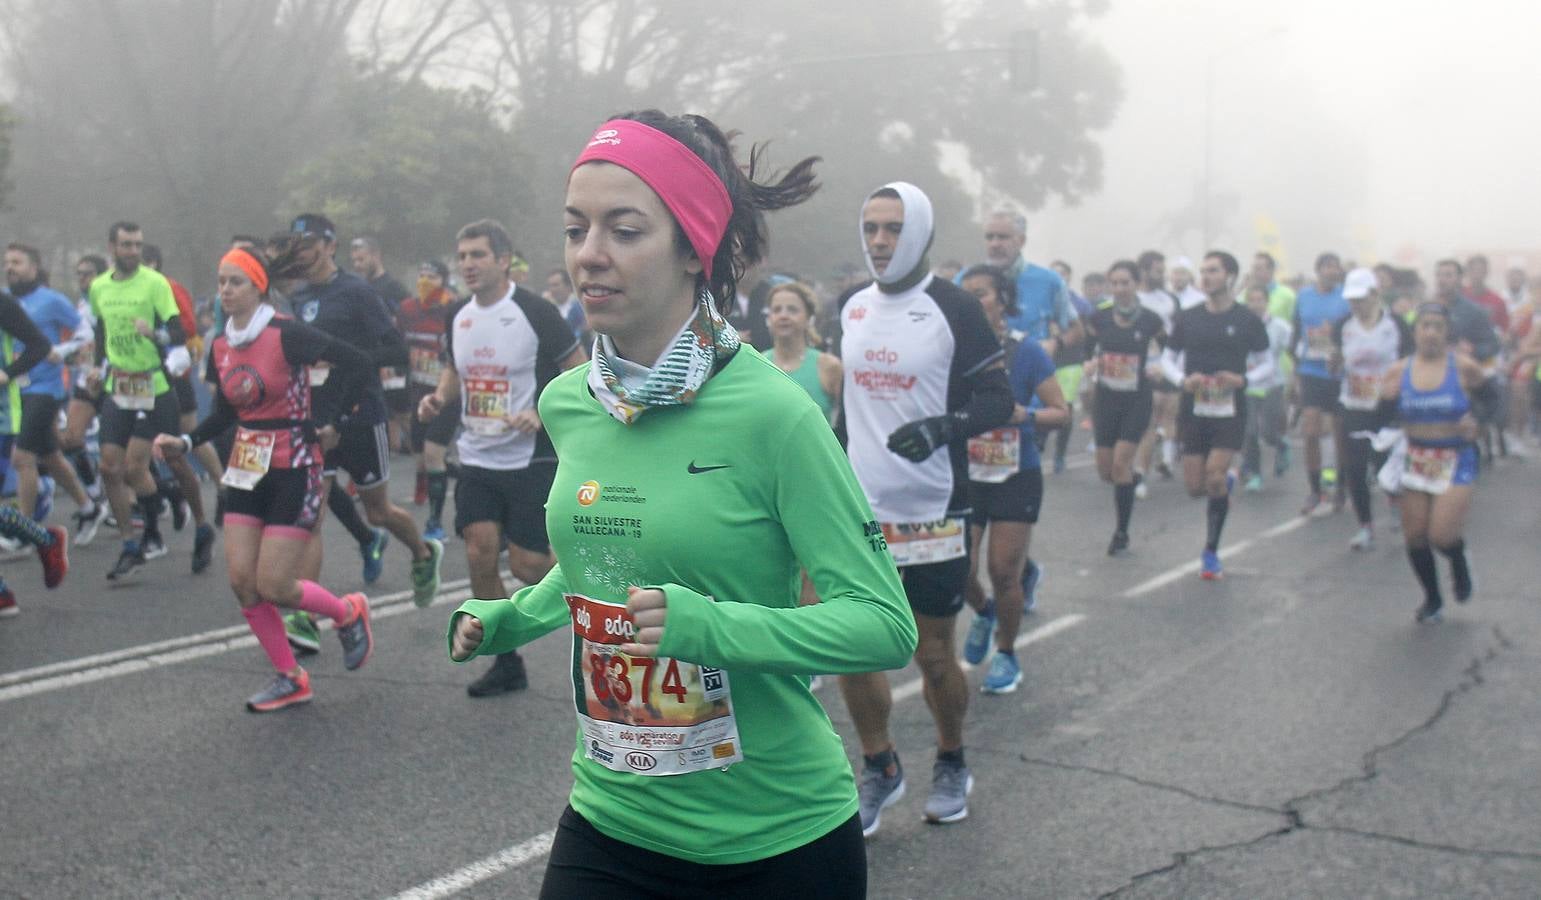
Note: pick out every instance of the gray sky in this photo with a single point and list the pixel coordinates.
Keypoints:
(1397, 131)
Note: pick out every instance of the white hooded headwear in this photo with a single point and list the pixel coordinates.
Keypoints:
(914, 240)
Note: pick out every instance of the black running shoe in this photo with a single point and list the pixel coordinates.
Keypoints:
(130, 559)
(203, 547)
(1119, 545)
(505, 676)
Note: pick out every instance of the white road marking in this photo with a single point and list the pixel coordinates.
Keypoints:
(1047, 630)
(87, 669)
(1176, 572)
(504, 860)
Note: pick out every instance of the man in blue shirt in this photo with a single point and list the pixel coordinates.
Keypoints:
(1318, 308)
(1044, 312)
(35, 401)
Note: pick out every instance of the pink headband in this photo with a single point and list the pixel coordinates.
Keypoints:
(680, 178)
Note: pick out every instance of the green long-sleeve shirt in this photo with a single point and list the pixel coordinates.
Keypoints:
(717, 504)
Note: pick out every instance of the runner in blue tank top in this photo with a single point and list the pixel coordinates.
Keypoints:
(1432, 392)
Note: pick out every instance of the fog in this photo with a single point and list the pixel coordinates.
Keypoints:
(1386, 131)
(1396, 131)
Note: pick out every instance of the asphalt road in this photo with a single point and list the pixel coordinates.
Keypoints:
(1288, 732)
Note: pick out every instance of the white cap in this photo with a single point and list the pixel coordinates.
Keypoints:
(1183, 262)
(1359, 283)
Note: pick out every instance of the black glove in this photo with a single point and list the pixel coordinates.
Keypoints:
(917, 440)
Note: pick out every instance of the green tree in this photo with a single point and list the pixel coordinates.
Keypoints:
(412, 165)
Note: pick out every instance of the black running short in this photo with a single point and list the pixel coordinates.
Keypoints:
(586, 863)
(936, 589)
(1017, 499)
(441, 430)
(515, 499)
(284, 498)
(363, 451)
(84, 396)
(39, 432)
(1200, 434)
(1320, 393)
(119, 425)
(1120, 416)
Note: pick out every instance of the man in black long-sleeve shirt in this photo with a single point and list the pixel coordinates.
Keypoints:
(344, 306)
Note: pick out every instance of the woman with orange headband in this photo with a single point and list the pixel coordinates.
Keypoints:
(694, 480)
(273, 476)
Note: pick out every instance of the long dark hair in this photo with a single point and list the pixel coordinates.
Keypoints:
(745, 242)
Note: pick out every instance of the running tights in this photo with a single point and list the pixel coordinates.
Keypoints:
(1360, 464)
(346, 511)
(1219, 507)
(18, 527)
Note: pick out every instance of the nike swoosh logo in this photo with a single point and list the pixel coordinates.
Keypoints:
(697, 470)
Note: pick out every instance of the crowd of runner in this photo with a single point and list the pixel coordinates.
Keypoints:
(873, 439)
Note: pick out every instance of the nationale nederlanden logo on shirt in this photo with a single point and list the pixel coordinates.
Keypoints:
(588, 492)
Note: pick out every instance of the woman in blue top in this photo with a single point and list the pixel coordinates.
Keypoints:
(1006, 486)
(1431, 392)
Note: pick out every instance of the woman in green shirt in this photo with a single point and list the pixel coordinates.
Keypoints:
(693, 481)
(790, 311)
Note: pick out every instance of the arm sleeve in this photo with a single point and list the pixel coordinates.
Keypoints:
(863, 622)
(166, 310)
(221, 417)
(1172, 365)
(532, 612)
(390, 348)
(15, 322)
(304, 346)
(1262, 368)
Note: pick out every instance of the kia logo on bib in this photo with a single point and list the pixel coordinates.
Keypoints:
(640, 761)
(588, 492)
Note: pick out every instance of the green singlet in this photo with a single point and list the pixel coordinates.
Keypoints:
(116, 305)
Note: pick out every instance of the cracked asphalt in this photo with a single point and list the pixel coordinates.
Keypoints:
(1288, 732)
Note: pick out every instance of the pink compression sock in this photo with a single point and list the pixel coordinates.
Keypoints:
(316, 599)
(268, 626)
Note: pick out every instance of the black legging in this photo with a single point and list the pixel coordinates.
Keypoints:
(586, 863)
(1360, 461)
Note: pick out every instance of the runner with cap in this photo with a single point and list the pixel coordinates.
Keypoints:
(1181, 274)
(260, 365)
(923, 373)
(1365, 346)
(694, 480)
(1208, 353)
(342, 305)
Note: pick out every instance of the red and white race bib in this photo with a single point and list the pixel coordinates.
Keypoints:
(1214, 402)
(133, 390)
(250, 458)
(920, 543)
(1119, 371)
(1430, 469)
(487, 405)
(425, 366)
(642, 714)
(995, 455)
